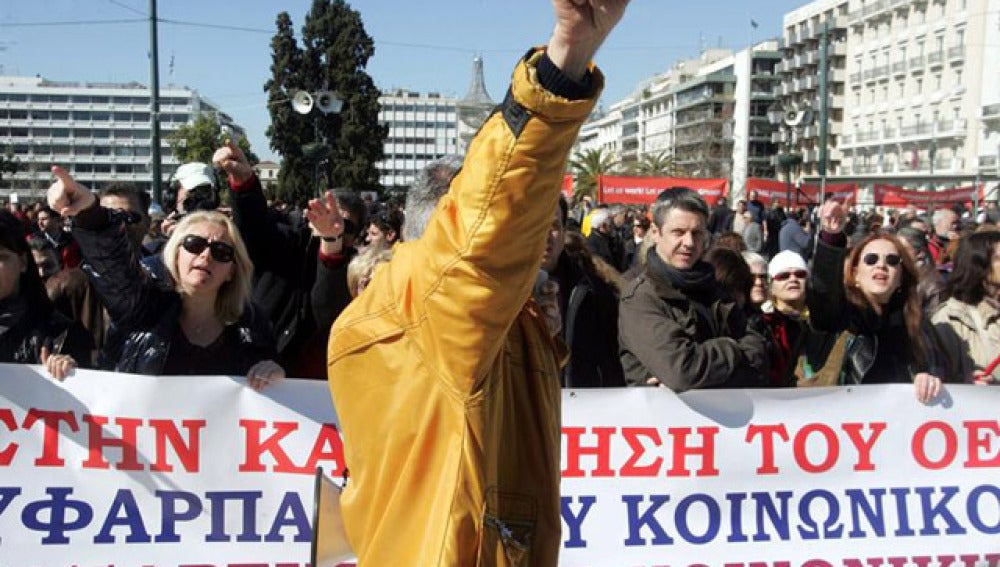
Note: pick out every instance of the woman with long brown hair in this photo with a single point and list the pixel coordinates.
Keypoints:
(873, 297)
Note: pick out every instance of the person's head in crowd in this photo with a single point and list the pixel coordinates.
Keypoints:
(915, 222)
(576, 249)
(741, 206)
(731, 240)
(196, 188)
(601, 220)
(18, 273)
(206, 255)
(732, 273)
(758, 271)
(362, 267)
(555, 239)
(640, 226)
(880, 271)
(127, 198)
(976, 273)
(385, 228)
(915, 242)
(946, 223)
(430, 184)
(355, 214)
(788, 273)
(618, 215)
(50, 222)
(679, 219)
(752, 196)
(46, 257)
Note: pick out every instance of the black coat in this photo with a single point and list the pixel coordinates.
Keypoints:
(146, 315)
(37, 325)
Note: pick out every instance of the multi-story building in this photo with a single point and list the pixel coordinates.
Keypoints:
(924, 91)
(803, 31)
(100, 132)
(709, 114)
(422, 128)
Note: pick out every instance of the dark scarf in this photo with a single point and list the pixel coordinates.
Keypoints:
(698, 282)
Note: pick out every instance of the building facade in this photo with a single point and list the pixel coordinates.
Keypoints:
(100, 132)
(422, 128)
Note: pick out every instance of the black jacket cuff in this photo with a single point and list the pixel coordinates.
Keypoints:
(557, 83)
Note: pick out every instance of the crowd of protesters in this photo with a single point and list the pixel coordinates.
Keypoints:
(674, 294)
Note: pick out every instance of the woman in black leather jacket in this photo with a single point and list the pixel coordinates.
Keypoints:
(871, 294)
(31, 330)
(202, 326)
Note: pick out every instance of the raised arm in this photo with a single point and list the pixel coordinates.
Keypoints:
(826, 298)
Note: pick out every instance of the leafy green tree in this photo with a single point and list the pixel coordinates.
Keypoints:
(659, 164)
(588, 166)
(8, 163)
(333, 56)
(198, 140)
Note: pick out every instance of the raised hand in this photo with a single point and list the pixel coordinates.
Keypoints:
(324, 216)
(581, 28)
(832, 217)
(66, 196)
(231, 159)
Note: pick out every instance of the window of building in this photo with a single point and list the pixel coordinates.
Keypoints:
(920, 86)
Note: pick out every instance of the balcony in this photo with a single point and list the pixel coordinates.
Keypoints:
(956, 128)
(856, 77)
(811, 58)
(869, 75)
(987, 163)
(899, 68)
(991, 113)
(917, 64)
(882, 72)
(874, 8)
(935, 59)
(956, 54)
(922, 129)
(864, 168)
(898, 4)
(869, 136)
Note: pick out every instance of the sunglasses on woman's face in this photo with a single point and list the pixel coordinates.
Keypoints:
(799, 274)
(871, 258)
(220, 251)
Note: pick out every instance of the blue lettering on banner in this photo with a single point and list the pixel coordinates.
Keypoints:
(833, 513)
(932, 511)
(248, 502)
(714, 518)
(57, 525)
(972, 507)
(873, 514)
(124, 501)
(170, 515)
(648, 518)
(290, 504)
(573, 521)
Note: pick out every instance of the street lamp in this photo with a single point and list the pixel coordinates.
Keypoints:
(326, 102)
(788, 120)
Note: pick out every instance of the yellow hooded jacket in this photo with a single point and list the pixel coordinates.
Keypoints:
(443, 372)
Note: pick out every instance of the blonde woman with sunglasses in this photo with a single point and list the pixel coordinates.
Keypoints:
(871, 293)
(202, 326)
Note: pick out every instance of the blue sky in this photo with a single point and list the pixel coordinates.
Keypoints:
(424, 45)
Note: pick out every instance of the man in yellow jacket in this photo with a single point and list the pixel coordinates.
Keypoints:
(443, 372)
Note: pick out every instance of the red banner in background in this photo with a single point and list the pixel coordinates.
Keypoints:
(893, 196)
(643, 190)
(567, 187)
(846, 193)
(768, 190)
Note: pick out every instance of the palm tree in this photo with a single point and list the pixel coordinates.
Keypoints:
(588, 165)
(659, 164)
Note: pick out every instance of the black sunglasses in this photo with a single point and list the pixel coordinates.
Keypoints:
(799, 274)
(220, 251)
(871, 258)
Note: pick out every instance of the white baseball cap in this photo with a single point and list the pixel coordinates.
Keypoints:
(785, 262)
(194, 174)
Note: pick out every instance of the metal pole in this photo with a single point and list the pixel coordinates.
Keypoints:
(156, 180)
(788, 184)
(824, 113)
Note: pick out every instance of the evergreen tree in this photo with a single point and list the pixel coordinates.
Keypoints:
(334, 54)
(198, 140)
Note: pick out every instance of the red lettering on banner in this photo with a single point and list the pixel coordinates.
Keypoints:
(767, 433)
(574, 450)
(919, 441)
(706, 451)
(187, 453)
(632, 435)
(327, 446)
(50, 442)
(864, 446)
(7, 454)
(832, 448)
(127, 443)
(980, 445)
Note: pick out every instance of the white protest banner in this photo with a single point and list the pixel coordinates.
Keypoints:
(122, 470)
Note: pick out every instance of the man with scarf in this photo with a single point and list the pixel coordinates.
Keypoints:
(678, 328)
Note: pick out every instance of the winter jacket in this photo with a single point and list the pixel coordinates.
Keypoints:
(444, 378)
(284, 259)
(969, 336)
(662, 335)
(145, 315)
(880, 350)
(27, 326)
(753, 235)
(793, 237)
